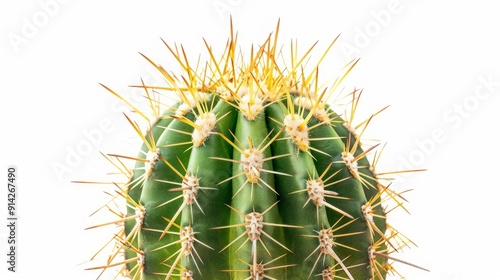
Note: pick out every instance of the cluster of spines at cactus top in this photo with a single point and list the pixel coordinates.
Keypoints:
(251, 175)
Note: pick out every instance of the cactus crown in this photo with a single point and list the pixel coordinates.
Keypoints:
(251, 175)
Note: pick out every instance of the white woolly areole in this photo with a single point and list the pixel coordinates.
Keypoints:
(205, 124)
(187, 275)
(187, 237)
(351, 164)
(140, 212)
(254, 225)
(267, 94)
(296, 130)
(142, 258)
(189, 103)
(367, 212)
(325, 237)
(372, 169)
(304, 102)
(183, 109)
(252, 160)
(327, 274)
(319, 111)
(301, 90)
(263, 89)
(228, 92)
(371, 252)
(351, 129)
(322, 115)
(151, 157)
(316, 192)
(190, 186)
(251, 106)
(257, 271)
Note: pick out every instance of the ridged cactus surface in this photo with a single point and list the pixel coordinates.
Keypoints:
(252, 175)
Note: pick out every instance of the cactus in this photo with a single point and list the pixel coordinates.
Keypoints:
(252, 175)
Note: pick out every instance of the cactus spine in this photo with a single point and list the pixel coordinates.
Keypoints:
(252, 175)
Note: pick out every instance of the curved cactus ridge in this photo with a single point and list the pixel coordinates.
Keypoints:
(252, 175)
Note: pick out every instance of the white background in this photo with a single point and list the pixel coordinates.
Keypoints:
(424, 59)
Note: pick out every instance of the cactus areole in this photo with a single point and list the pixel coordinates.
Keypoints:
(251, 175)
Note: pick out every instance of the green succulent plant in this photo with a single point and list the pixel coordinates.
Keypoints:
(252, 174)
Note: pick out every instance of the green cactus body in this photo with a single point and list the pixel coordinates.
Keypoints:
(252, 175)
